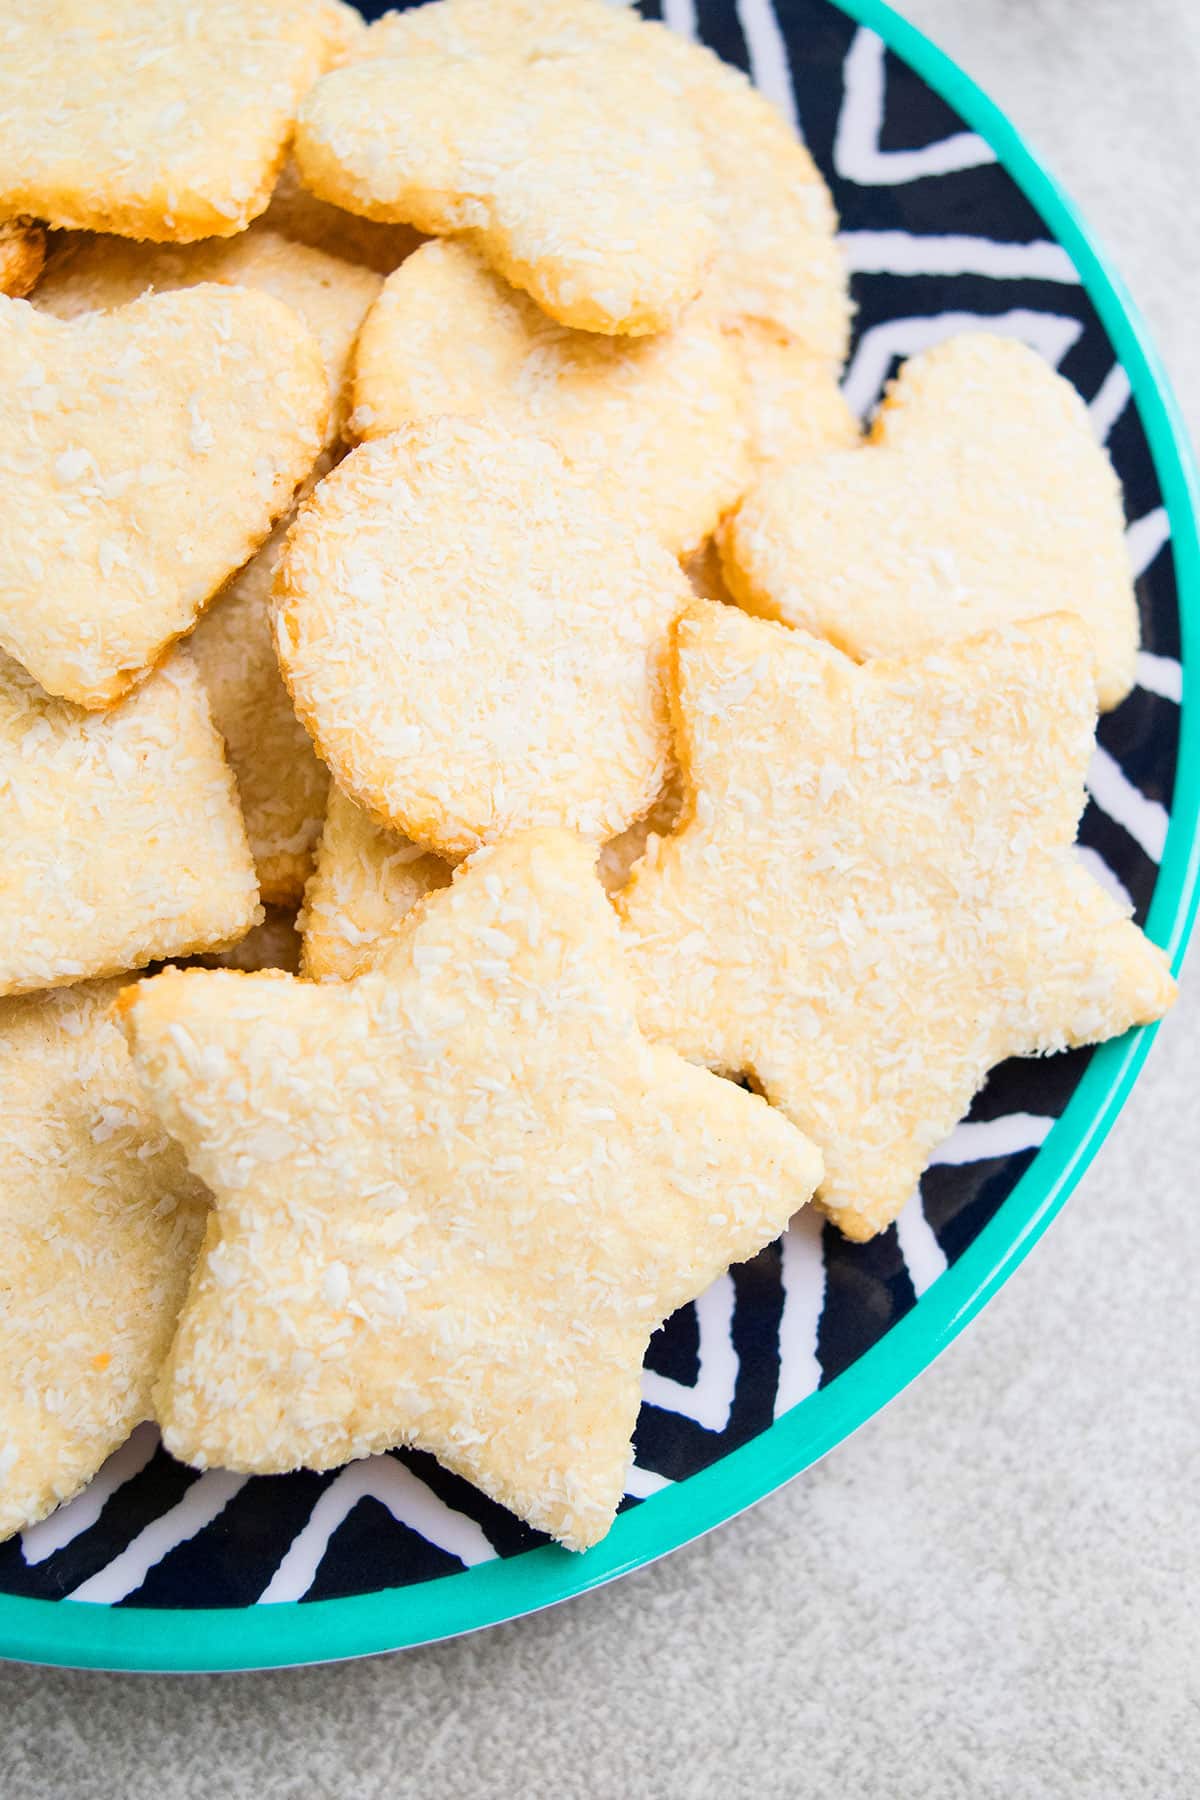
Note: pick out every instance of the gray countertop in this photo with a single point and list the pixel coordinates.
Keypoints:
(991, 1590)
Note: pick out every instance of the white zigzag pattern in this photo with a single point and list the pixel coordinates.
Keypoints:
(680, 15)
(710, 1401)
(767, 50)
(409, 1500)
(953, 253)
(1144, 819)
(802, 1274)
(1109, 402)
(204, 1501)
(923, 1256)
(79, 1515)
(857, 156)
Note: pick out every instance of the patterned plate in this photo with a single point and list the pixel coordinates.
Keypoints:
(948, 223)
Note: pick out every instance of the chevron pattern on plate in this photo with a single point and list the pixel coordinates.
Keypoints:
(938, 239)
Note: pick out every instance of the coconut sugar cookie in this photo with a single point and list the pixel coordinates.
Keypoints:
(88, 273)
(872, 895)
(981, 498)
(577, 176)
(167, 121)
(144, 455)
(121, 839)
(527, 684)
(778, 263)
(795, 407)
(366, 880)
(280, 780)
(463, 1239)
(22, 254)
(100, 1223)
(777, 275)
(657, 423)
(777, 259)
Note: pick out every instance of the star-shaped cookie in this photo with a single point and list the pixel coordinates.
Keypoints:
(872, 896)
(121, 838)
(144, 455)
(167, 121)
(100, 1222)
(980, 498)
(454, 1197)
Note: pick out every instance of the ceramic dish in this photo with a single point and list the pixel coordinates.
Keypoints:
(949, 223)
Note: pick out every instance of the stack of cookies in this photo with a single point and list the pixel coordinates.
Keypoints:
(441, 582)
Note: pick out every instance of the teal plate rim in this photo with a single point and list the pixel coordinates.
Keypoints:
(77, 1634)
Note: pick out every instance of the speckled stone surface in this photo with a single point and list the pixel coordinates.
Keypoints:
(990, 1591)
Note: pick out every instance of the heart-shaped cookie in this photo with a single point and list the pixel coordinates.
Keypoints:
(578, 176)
(144, 455)
(980, 498)
(167, 121)
(90, 273)
(776, 260)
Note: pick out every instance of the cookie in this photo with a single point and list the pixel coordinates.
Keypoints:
(577, 176)
(87, 274)
(656, 423)
(121, 839)
(366, 880)
(872, 895)
(144, 455)
(526, 686)
(280, 780)
(777, 259)
(777, 275)
(980, 499)
(22, 254)
(167, 122)
(299, 215)
(101, 1222)
(778, 264)
(795, 406)
(464, 1239)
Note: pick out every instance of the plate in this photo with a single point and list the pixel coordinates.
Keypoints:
(949, 223)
